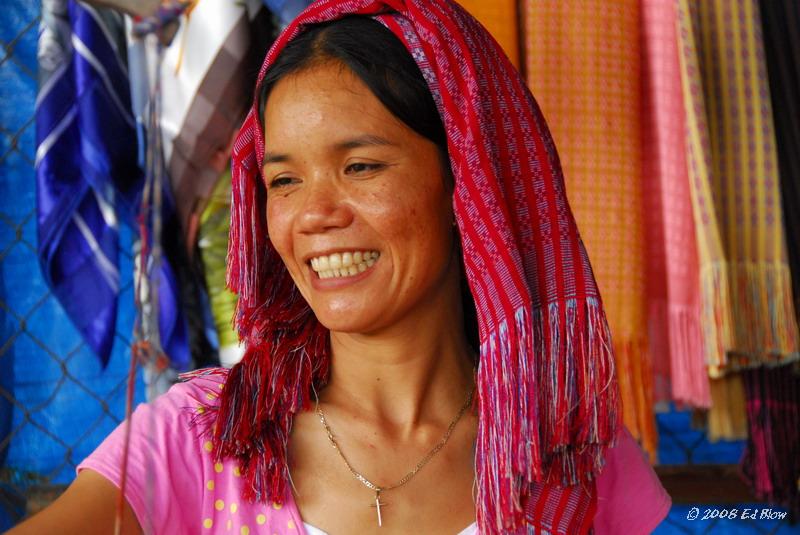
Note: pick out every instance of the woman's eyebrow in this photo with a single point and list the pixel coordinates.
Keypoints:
(365, 140)
(273, 157)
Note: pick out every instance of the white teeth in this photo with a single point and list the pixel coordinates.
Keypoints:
(344, 264)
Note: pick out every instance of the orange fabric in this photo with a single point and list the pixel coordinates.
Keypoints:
(582, 60)
(501, 19)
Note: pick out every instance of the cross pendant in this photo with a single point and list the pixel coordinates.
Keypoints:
(377, 505)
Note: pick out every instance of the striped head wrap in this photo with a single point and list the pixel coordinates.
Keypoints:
(547, 394)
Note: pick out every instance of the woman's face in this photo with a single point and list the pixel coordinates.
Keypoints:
(357, 203)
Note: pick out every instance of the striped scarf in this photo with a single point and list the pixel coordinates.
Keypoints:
(748, 313)
(547, 394)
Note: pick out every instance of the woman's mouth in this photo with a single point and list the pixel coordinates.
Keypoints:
(344, 264)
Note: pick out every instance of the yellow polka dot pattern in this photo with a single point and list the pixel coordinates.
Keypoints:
(233, 508)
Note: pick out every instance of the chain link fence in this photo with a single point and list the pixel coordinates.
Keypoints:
(56, 401)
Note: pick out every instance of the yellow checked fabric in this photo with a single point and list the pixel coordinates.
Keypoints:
(582, 60)
(500, 18)
(748, 314)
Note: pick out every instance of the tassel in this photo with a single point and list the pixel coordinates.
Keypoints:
(263, 392)
(287, 348)
(553, 430)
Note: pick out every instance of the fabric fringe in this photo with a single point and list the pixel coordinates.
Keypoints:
(635, 379)
(690, 386)
(748, 316)
(678, 355)
(658, 338)
(287, 348)
(544, 417)
(264, 391)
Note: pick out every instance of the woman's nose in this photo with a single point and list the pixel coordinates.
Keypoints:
(324, 208)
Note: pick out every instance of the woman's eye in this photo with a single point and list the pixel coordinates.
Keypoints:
(362, 167)
(281, 181)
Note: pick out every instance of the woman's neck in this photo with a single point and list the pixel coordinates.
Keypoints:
(418, 371)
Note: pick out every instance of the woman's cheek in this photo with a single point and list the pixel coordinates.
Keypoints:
(279, 227)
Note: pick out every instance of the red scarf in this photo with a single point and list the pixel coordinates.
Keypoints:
(547, 393)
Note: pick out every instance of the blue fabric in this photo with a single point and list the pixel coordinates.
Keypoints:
(87, 175)
(680, 443)
(286, 10)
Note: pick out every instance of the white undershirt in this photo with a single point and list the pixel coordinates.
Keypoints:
(472, 529)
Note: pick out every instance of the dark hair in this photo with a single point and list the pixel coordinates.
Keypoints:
(381, 61)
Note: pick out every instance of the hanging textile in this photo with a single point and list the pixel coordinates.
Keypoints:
(87, 173)
(500, 17)
(772, 459)
(286, 10)
(582, 62)
(781, 23)
(748, 314)
(207, 76)
(727, 418)
(673, 284)
(213, 245)
(771, 462)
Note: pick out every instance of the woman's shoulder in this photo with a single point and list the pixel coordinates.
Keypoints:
(202, 386)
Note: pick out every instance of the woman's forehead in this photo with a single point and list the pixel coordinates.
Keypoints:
(329, 98)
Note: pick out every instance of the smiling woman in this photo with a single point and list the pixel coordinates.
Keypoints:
(426, 347)
(354, 181)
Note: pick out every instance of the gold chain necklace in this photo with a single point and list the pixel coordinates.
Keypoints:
(406, 478)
